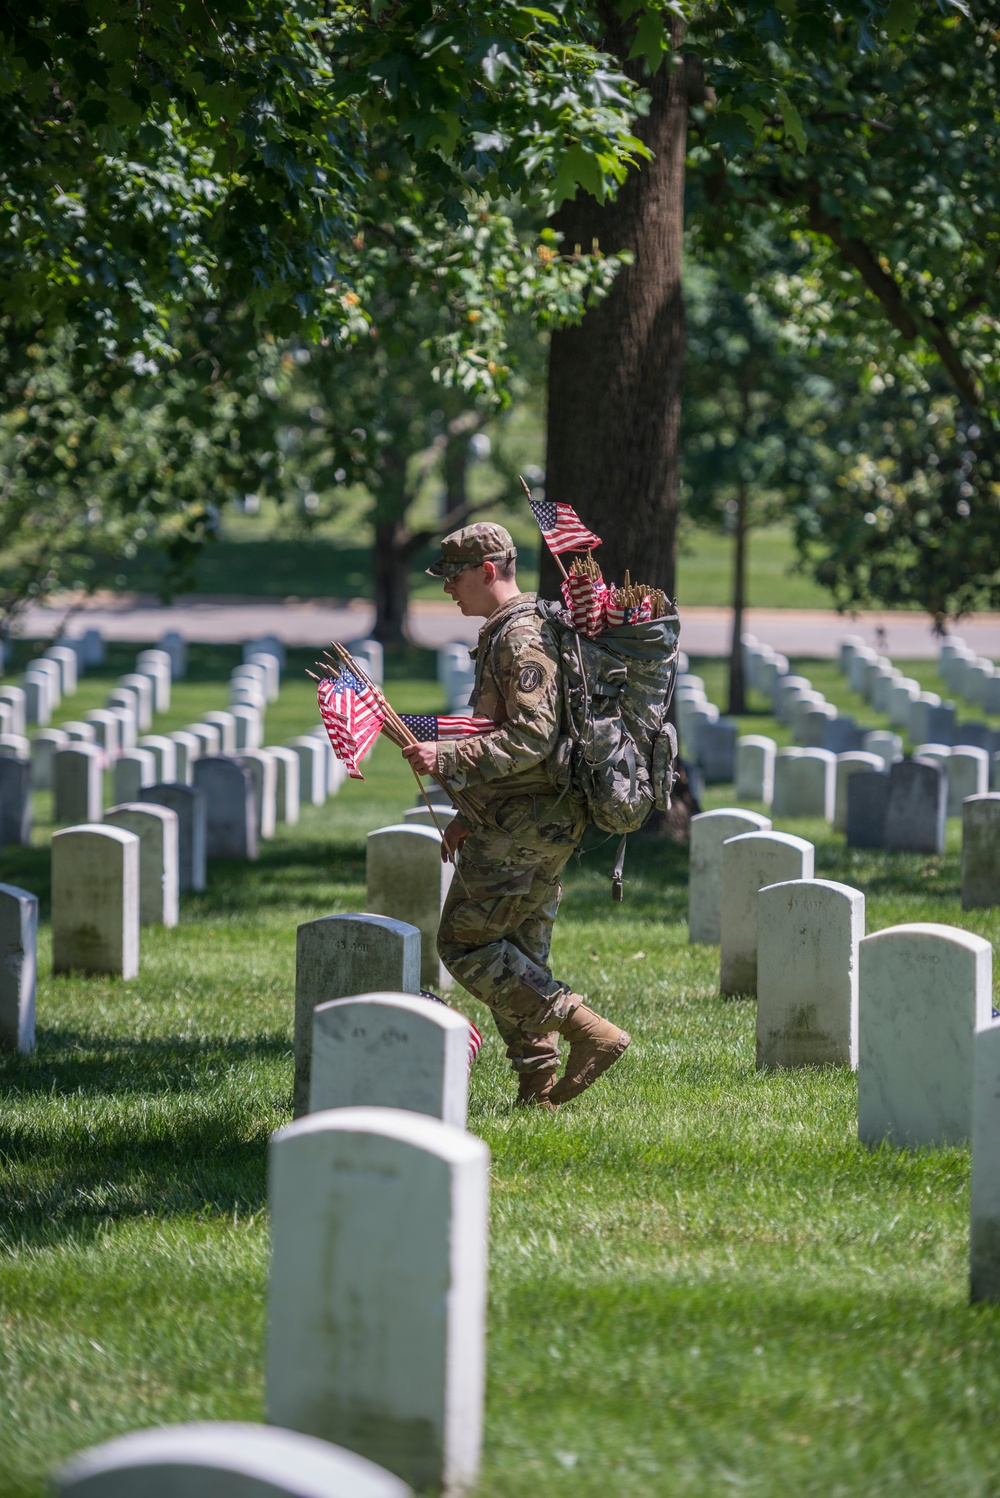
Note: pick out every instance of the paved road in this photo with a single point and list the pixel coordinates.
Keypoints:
(705, 631)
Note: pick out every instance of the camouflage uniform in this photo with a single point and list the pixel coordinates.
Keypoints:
(495, 937)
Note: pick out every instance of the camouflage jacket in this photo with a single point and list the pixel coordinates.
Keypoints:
(517, 685)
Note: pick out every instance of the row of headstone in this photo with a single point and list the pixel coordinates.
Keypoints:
(388, 1361)
(923, 714)
(971, 677)
(814, 722)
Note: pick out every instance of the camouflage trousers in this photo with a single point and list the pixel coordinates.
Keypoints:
(494, 936)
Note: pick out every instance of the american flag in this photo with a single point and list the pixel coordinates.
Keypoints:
(353, 713)
(562, 527)
(475, 1036)
(431, 730)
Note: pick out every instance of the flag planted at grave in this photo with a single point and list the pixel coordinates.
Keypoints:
(429, 729)
(562, 527)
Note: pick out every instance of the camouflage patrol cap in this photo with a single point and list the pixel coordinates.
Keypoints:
(471, 547)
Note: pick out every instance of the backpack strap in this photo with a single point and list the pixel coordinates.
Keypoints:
(519, 612)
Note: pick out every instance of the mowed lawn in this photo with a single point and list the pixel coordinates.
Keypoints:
(700, 1282)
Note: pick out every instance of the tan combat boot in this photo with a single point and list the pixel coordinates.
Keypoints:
(595, 1044)
(533, 1089)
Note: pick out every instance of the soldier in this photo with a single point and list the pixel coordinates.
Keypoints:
(495, 933)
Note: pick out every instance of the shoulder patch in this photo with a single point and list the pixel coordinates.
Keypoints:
(530, 678)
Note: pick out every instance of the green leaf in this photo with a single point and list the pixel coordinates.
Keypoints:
(110, 139)
(578, 168)
(650, 40)
(792, 120)
(900, 16)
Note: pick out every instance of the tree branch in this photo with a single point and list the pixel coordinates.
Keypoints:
(889, 293)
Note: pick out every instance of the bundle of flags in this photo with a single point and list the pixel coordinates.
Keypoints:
(353, 713)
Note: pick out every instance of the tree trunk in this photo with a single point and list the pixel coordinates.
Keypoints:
(614, 381)
(737, 691)
(391, 566)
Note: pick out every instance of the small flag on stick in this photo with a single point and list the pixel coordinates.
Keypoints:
(562, 527)
(428, 729)
(353, 714)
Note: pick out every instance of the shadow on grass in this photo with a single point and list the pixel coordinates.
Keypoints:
(656, 879)
(80, 1168)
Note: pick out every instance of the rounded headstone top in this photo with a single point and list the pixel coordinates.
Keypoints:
(117, 834)
(417, 1130)
(953, 934)
(272, 1459)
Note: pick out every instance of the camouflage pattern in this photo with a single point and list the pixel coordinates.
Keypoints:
(471, 547)
(517, 685)
(495, 939)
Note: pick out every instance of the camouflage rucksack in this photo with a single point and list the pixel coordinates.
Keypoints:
(617, 749)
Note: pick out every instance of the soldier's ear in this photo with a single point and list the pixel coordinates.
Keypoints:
(489, 573)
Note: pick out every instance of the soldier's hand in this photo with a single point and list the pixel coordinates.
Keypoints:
(454, 836)
(422, 757)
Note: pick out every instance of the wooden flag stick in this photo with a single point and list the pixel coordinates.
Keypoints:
(552, 554)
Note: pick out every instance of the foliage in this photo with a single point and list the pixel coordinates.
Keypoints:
(94, 461)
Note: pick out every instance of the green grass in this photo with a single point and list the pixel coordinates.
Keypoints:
(700, 1283)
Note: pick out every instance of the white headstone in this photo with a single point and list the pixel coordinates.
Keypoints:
(37, 697)
(43, 746)
(164, 752)
(984, 1214)
(750, 862)
(848, 765)
(264, 770)
(808, 932)
(423, 816)
(286, 764)
(95, 901)
(226, 724)
(888, 746)
(925, 989)
(190, 808)
(390, 1050)
(804, 783)
(271, 667)
(187, 749)
(157, 828)
(106, 730)
(249, 727)
(709, 830)
(209, 738)
(18, 967)
(133, 769)
(124, 714)
(79, 732)
(981, 852)
(230, 807)
(408, 880)
(15, 697)
(340, 956)
(15, 801)
(159, 677)
(78, 782)
(312, 769)
(968, 771)
(368, 654)
(16, 746)
(66, 660)
(223, 1460)
(142, 686)
(376, 1304)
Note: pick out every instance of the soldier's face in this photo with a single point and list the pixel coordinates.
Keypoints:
(468, 589)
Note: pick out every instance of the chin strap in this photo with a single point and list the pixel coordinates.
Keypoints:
(616, 872)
